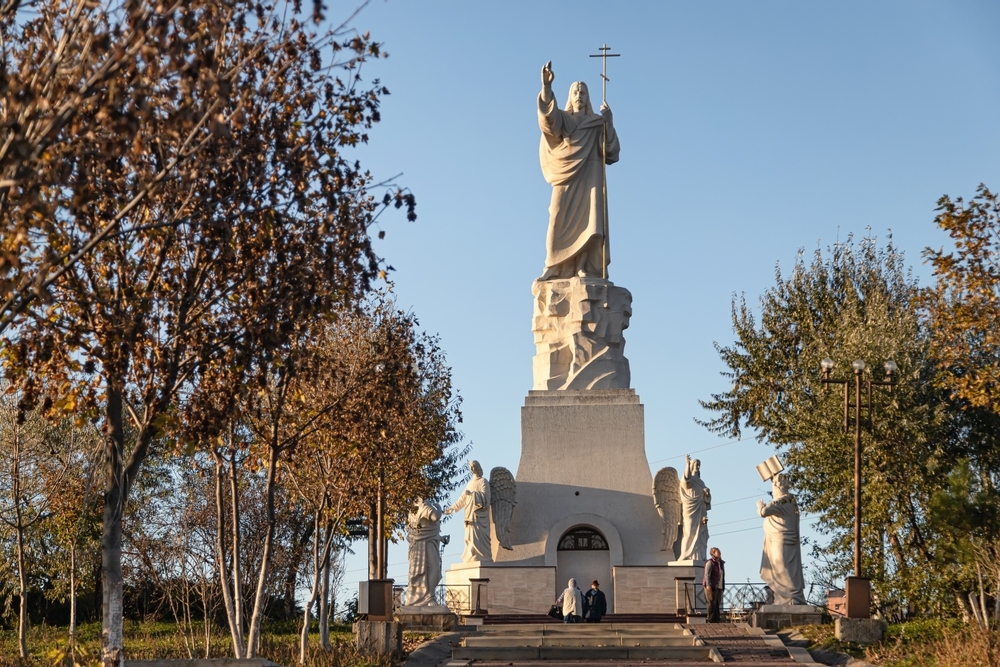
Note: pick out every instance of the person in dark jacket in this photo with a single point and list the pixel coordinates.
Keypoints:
(714, 582)
(595, 605)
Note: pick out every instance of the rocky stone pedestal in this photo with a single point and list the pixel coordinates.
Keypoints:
(578, 325)
(860, 630)
(379, 638)
(777, 616)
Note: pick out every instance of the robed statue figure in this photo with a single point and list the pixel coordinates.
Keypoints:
(475, 501)
(571, 154)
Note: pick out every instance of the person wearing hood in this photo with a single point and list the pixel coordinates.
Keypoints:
(572, 602)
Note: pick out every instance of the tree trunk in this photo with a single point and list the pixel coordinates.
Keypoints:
(228, 592)
(72, 600)
(294, 564)
(22, 576)
(324, 607)
(111, 536)
(237, 570)
(253, 637)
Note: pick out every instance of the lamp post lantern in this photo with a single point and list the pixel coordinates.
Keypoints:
(858, 587)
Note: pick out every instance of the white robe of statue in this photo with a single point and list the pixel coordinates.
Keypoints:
(696, 500)
(781, 563)
(475, 500)
(423, 532)
(570, 153)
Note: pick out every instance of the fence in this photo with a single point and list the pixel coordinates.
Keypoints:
(454, 596)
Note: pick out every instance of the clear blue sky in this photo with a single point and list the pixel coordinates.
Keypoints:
(749, 130)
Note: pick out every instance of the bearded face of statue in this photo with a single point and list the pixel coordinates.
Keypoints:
(780, 487)
(579, 97)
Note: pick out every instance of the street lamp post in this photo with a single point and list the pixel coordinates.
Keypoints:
(858, 587)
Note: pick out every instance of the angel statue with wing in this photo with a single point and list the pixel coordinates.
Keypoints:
(477, 499)
(667, 498)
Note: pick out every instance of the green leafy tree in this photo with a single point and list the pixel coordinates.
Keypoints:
(854, 302)
(963, 305)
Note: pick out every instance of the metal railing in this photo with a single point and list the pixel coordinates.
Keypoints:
(454, 596)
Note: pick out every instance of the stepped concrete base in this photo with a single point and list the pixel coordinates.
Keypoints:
(860, 630)
(433, 618)
(777, 616)
(589, 653)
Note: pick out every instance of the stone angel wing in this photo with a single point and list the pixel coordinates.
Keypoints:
(503, 497)
(667, 497)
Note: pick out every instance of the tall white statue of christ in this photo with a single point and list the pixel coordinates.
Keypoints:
(573, 158)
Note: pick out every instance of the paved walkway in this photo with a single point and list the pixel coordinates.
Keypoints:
(740, 643)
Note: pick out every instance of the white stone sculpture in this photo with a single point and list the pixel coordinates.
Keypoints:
(476, 500)
(578, 325)
(667, 498)
(503, 492)
(696, 500)
(423, 532)
(781, 563)
(571, 153)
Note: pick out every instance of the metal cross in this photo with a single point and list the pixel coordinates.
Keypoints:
(604, 75)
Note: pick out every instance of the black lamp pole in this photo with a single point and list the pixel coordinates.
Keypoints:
(860, 585)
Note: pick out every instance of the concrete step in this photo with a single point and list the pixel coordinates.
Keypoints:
(522, 619)
(517, 653)
(595, 628)
(581, 640)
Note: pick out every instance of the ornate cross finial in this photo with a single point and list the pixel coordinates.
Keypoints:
(604, 75)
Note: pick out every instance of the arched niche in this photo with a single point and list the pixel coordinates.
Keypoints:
(564, 525)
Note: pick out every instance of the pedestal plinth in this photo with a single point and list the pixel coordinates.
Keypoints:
(578, 325)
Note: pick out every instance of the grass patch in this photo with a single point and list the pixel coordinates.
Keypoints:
(49, 646)
(919, 643)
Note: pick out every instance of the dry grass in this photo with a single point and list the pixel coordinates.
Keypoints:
(923, 643)
(950, 646)
(48, 646)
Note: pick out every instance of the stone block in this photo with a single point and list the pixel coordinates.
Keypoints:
(379, 638)
(777, 616)
(860, 630)
(432, 619)
(512, 589)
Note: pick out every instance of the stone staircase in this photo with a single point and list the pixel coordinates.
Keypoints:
(587, 641)
(522, 619)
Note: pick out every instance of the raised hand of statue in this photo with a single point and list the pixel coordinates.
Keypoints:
(548, 76)
(760, 505)
(606, 112)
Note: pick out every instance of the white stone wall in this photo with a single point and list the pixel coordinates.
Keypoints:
(512, 590)
(651, 590)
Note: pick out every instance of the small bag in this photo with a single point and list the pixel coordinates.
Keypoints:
(556, 612)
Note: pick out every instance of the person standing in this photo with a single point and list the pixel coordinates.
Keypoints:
(714, 582)
(571, 600)
(595, 605)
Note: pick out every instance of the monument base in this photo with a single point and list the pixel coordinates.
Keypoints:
(659, 589)
(777, 616)
(432, 618)
(512, 589)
